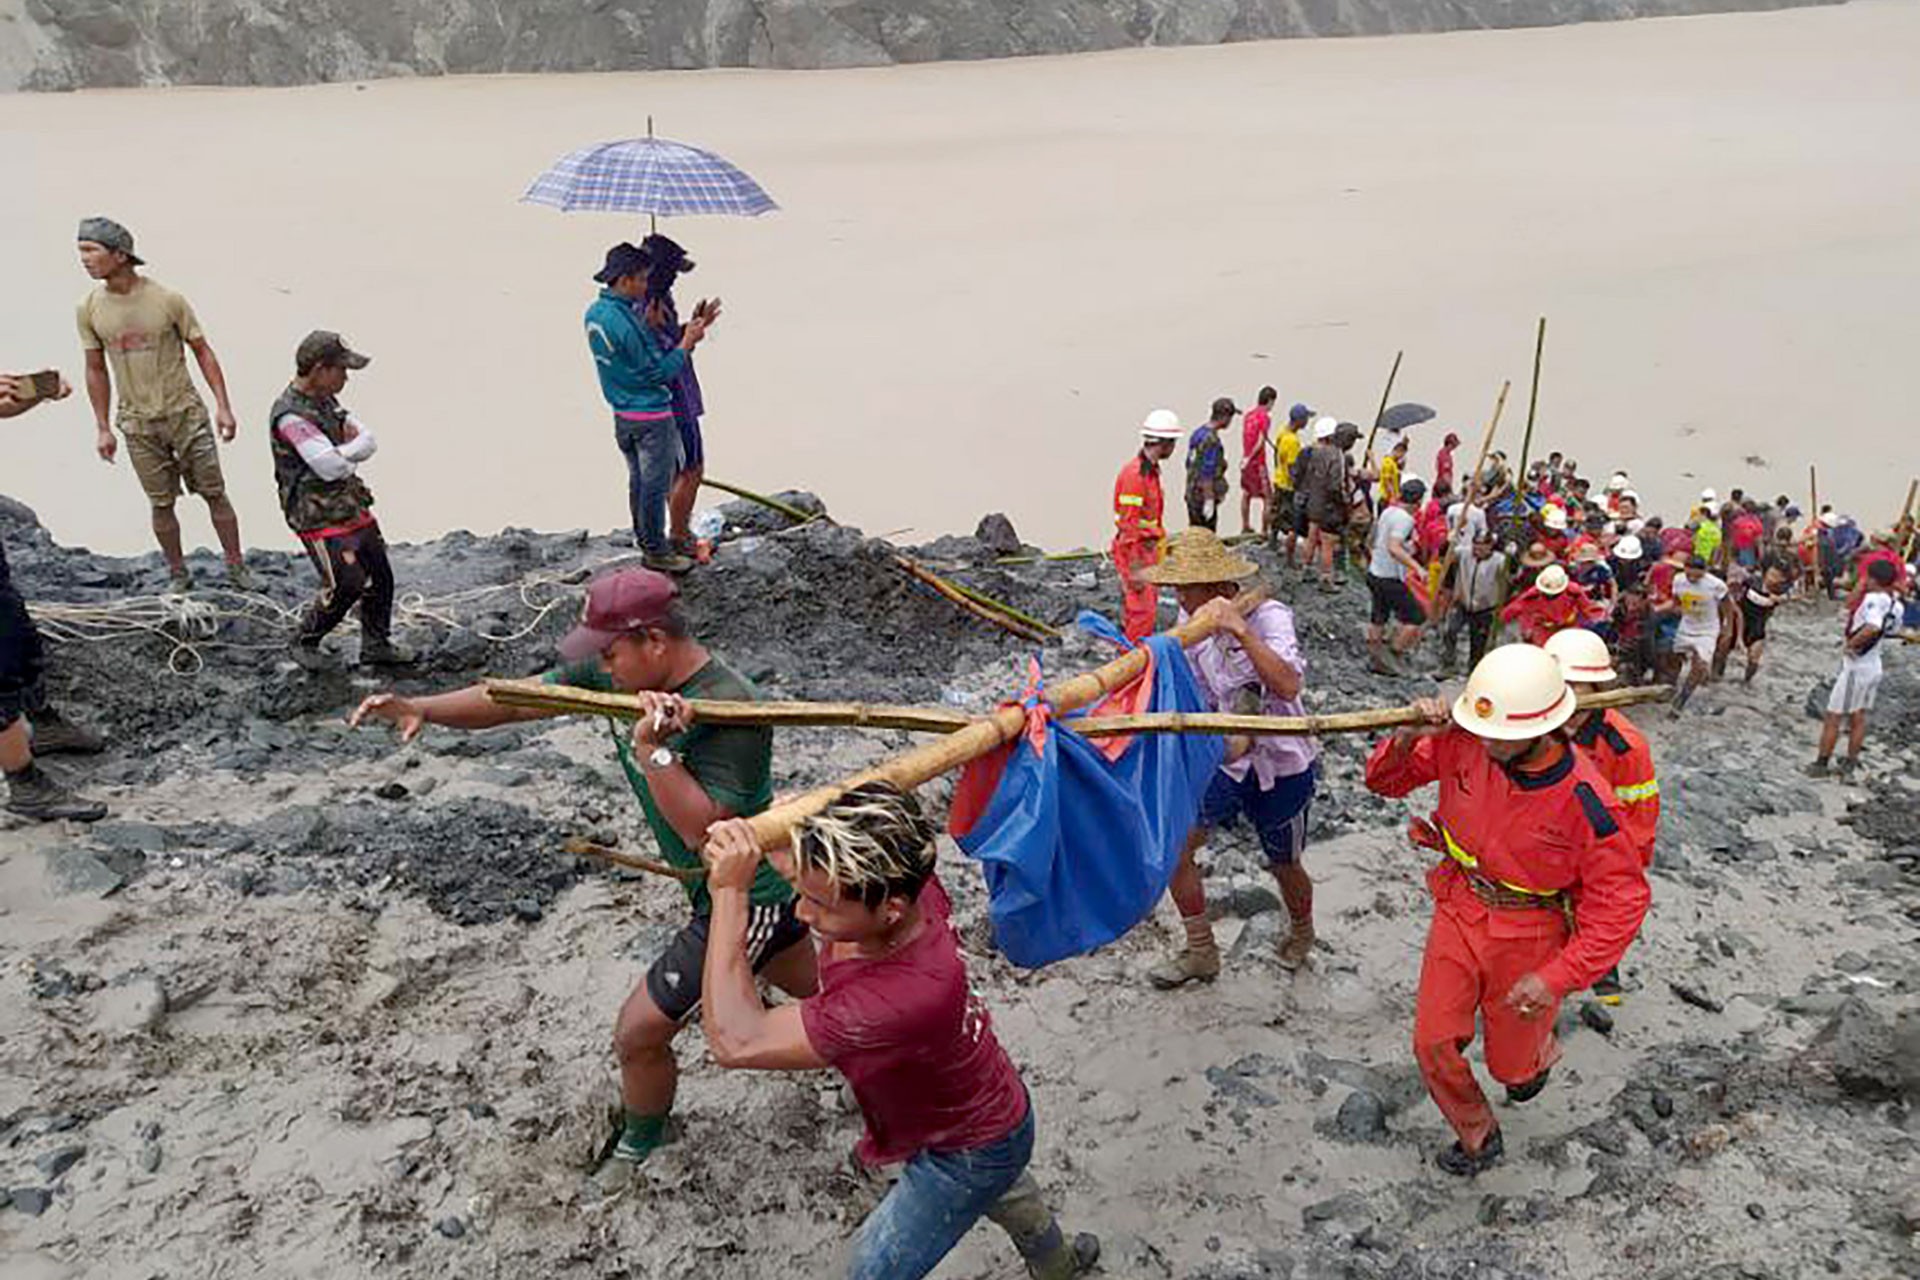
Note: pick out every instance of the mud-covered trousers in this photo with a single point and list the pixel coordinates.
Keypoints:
(940, 1195)
(1473, 958)
(353, 570)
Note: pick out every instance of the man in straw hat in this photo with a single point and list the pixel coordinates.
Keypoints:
(1251, 665)
(1616, 748)
(634, 637)
(1553, 603)
(1139, 521)
(1538, 893)
(895, 1016)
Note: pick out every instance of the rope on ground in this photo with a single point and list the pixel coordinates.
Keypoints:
(191, 623)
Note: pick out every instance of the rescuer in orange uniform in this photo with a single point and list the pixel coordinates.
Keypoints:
(1539, 893)
(1618, 751)
(1553, 603)
(1138, 524)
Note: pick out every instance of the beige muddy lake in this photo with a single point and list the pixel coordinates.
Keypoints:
(985, 273)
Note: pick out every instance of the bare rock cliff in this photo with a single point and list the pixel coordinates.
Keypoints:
(69, 44)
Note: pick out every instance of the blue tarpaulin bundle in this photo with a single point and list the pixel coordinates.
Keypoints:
(1076, 847)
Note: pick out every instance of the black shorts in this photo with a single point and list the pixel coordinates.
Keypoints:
(673, 980)
(1392, 598)
(22, 660)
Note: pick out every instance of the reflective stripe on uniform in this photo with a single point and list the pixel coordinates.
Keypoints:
(1131, 500)
(1638, 792)
(1472, 863)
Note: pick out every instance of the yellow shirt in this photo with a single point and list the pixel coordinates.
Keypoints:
(145, 333)
(1389, 479)
(1285, 451)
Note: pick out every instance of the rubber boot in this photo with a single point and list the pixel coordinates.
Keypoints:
(1296, 890)
(54, 734)
(1198, 961)
(1049, 1255)
(31, 793)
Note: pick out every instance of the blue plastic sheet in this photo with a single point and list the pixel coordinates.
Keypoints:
(1076, 849)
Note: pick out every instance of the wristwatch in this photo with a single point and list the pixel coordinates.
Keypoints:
(658, 758)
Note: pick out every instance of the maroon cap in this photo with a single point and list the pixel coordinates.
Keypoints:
(619, 605)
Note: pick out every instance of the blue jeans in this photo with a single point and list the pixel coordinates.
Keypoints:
(652, 451)
(939, 1196)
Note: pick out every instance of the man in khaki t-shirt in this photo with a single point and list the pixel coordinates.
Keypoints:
(136, 334)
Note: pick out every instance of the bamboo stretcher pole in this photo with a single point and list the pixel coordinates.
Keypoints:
(1813, 525)
(1335, 722)
(966, 602)
(1533, 401)
(1904, 542)
(624, 706)
(982, 598)
(580, 847)
(925, 763)
(1382, 412)
(1473, 484)
(786, 509)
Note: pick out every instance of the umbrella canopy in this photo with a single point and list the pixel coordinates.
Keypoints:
(649, 175)
(1406, 414)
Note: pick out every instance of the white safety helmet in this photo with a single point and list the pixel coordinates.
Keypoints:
(1515, 693)
(1628, 548)
(1161, 424)
(1554, 516)
(1324, 426)
(1709, 497)
(1583, 656)
(1618, 483)
(1830, 519)
(1552, 580)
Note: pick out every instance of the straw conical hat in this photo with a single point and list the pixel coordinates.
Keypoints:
(1196, 557)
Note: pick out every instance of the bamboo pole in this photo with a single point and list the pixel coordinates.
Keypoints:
(786, 509)
(1905, 542)
(1533, 402)
(1473, 485)
(580, 847)
(1335, 722)
(1385, 396)
(773, 827)
(1813, 525)
(1001, 606)
(1053, 557)
(953, 593)
(563, 699)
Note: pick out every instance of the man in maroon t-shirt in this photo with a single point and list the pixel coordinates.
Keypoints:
(894, 1015)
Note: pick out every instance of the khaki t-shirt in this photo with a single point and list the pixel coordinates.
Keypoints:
(145, 333)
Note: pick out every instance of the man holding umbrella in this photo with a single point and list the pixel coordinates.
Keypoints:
(636, 378)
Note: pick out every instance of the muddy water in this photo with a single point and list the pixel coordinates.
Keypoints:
(985, 273)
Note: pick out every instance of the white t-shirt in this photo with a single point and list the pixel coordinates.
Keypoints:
(1476, 525)
(1395, 522)
(1699, 604)
(1877, 610)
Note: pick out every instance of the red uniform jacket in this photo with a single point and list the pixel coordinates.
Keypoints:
(1138, 506)
(1551, 832)
(1620, 753)
(1540, 615)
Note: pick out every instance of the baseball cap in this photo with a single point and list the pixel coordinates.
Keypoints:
(620, 604)
(1299, 413)
(324, 346)
(111, 235)
(623, 259)
(1224, 407)
(1708, 495)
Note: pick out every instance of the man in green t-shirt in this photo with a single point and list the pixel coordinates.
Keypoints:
(634, 638)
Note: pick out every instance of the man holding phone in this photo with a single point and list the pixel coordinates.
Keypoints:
(31, 792)
(136, 333)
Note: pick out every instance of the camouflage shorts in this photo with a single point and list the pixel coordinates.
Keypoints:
(174, 455)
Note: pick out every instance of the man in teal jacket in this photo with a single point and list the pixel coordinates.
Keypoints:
(636, 371)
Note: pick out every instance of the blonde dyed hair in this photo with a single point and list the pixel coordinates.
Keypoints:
(875, 842)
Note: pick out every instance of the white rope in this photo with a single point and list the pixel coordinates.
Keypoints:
(189, 624)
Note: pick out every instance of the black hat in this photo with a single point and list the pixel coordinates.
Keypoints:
(623, 259)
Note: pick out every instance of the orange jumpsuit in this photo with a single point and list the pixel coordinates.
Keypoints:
(1540, 877)
(1621, 754)
(1138, 532)
(1540, 615)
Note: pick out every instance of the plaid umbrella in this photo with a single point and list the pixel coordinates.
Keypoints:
(649, 175)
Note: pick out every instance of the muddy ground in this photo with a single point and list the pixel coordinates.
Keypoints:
(315, 1004)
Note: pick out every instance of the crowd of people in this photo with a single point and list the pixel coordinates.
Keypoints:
(1546, 811)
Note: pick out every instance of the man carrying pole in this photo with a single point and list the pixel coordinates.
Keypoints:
(1539, 892)
(634, 637)
(1250, 665)
(895, 1017)
(1139, 521)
